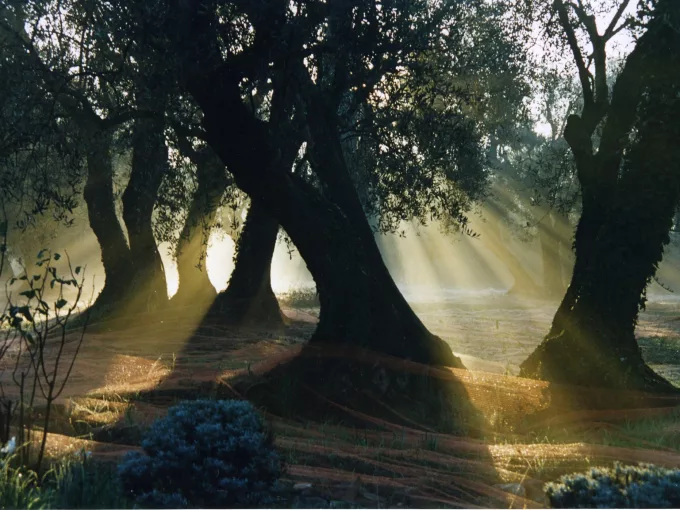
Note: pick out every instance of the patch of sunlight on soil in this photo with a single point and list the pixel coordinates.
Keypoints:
(129, 374)
(493, 335)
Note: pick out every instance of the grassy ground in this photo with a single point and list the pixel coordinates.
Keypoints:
(347, 458)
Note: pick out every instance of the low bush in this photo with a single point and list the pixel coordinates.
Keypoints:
(207, 454)
(642, 486)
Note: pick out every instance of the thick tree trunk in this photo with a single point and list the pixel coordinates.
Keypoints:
(595, 344)
(191, 254)
(360, 303)
(249, 298)
(101, 210)
(149, 164)
(598, 172)
(589, 223)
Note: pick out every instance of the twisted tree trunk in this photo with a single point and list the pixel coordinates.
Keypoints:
(360, 303)
(101, 210)
(592, 342)
(249, 298)
(148, 288)
(597, 345)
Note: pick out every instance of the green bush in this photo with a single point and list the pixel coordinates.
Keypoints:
(207, 454)
(644, 486)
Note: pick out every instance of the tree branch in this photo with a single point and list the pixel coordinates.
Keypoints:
(583, 73)
(599, 54)
(623, 25)
(611, 30)
(187, 131)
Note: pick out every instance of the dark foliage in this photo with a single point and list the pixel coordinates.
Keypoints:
(205, 454)
(645, 486)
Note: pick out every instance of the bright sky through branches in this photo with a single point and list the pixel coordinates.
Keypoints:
(544, 54)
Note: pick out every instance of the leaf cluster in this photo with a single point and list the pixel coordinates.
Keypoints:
(205, 453)
(644, 486)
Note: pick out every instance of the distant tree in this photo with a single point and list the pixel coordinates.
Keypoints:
(191, 246)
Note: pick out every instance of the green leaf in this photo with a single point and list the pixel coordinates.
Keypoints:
(23, 278)
(36, 277)
(56, 256)
(12, 281)
(30, 294)
(77, 269)
(41, 253)
(52, 283)
(26, 312)
(61, 303)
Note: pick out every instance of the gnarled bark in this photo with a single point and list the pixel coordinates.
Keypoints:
(101, 210)
(360, 303)
(597, 171)
(597, 345)
(148, 287)
(592, 342)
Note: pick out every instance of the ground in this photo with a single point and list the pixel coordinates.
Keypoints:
(123, 379)
(493, 332)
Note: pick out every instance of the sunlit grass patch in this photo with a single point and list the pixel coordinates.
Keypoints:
(659, 432)
(662, 350)
(128, 374)
(557, 450)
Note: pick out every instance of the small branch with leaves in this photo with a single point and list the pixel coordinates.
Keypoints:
(43, 347)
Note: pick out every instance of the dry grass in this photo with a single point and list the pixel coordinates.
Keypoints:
(124, 380)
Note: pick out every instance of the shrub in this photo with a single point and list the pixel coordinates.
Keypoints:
(645, 486)
(204, 454)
